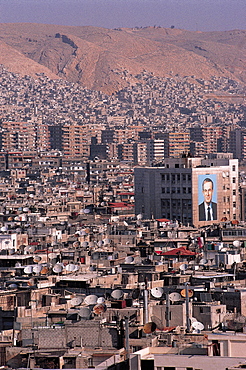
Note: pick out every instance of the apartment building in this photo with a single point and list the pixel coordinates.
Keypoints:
(176, 191)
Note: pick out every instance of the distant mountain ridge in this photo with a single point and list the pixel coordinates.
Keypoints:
(108, 60)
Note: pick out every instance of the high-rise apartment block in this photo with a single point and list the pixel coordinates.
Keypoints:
(177, 191)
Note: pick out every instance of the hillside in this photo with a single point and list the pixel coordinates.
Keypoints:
(107, 60)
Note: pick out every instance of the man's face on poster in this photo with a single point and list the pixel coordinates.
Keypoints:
(208, 191)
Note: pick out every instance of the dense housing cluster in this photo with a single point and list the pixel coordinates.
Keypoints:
(122, 225)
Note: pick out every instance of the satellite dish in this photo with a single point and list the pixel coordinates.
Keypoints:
(157, 322)
(135, 293)
(100, 243)
(117, 294)
(84, 244)
(183, 293)
(99, 308)
(100, 300)
(203, 261)
(70, 267)
(157, 292)
(52, 256)
(129, 259)
(28, 270)
(91, 244)
(91, 300)
(183, 267)
(138, 260)
(37, 269)
(237, 243)
(32, 282)
(174, 297)
(149, 328)
(57, 268)
(192, 320)
(76, 301)
(85, 313)
(12, 286)
(44, 270)
(197, 325)
(31, 249)
(86, 211)
(37, 259)
(139, 216)
(106, 241)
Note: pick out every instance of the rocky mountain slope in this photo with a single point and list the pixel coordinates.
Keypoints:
(107, 60)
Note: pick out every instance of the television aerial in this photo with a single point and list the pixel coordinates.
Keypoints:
(236, 243)
(136, 293)
(117, 294)
(57, 268)
(183, 267)
(129, 259)
(157, 322)
(28, 269)
(99, 308)
(157, 292)
(44, 270)
(190, 293)
(37, 269)
(203, 261)
(149, 327)
(76, 301)
(174, 297)
(37, 259)
(90, 300)
(100, 300)
(52, 256)
(198, 326)
(85, 313)
(70, 267)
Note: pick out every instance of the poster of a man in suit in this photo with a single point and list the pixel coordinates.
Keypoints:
(207, 197)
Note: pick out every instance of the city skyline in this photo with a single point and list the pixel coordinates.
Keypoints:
(202, 15)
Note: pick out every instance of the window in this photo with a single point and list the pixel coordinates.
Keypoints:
(168, 190)
(234, 168)
(234, 180)
(234, 204)
(189, 190)
(184, 177)
(163, 190)
(234, 192)
(184, 190)
(167, 177)
(176, 165)
(178, 177)
(178, 190)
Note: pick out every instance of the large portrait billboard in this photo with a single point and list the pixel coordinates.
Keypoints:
(207, 197)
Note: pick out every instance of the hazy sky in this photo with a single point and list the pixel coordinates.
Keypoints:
(203, 15)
